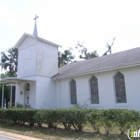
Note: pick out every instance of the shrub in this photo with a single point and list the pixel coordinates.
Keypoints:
(40, 117)
(64, 118)
(124, 118)
(95, 118)
(108, 120)
(51, 118)
(76, 118)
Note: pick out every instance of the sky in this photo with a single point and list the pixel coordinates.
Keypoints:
(67, 22)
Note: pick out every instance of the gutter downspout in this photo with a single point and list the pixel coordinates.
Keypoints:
(59, 89)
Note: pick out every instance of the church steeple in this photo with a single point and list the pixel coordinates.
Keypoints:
(35, 26)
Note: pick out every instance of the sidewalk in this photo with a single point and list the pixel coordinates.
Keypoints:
(17, 136)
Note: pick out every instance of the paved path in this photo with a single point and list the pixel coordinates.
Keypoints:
(12, 136)
(5, 138)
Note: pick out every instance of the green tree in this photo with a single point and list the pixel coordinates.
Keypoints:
(89, 55)
(65, 58)
(9, 61)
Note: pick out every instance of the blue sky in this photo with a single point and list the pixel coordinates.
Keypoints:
(67, 22)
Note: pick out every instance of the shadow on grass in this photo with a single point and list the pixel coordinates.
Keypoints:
(57, 133)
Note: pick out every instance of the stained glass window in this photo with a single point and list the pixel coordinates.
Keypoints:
(94, 90)
(73, 91)
(120, 88)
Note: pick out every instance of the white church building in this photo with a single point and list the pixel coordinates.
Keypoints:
(111, 81)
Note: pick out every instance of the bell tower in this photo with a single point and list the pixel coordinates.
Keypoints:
(38, 61)
(37, 56)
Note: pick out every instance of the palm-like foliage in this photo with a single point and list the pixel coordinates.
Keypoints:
(9, 61)
(65, 58)
(89, 55)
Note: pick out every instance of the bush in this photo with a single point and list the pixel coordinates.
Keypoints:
(76, 118)
(40, 117)
(124, 118)
(95, 118)
(64, 118)
(52, 118)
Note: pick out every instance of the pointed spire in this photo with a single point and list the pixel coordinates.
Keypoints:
(35, 26)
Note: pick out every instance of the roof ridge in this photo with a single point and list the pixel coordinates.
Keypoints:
(100, 57)
(118, 60)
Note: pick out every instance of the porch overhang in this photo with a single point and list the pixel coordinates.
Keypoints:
(14, 80)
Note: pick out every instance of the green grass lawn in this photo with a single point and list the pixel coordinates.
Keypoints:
(60, 133)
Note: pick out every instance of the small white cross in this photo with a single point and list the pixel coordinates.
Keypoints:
(35, 18)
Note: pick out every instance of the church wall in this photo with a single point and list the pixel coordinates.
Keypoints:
(47, 60)
(37, 58)
(20, 97)
(82, 90)
(45, 93)
(58, 93)
(28, 42)
(106, 90)
(132, 82)
(63, 94)
(32, 95)
(106, 87)
(27, 61)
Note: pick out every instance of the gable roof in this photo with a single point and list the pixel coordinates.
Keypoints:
(114, 61)
(38, 38)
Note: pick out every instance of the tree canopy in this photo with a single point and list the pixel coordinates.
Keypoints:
(9, 61)
(65, 57)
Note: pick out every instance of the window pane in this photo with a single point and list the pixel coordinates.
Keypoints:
(120, 88)
(94, 90)
(95, 99)
(73, 92)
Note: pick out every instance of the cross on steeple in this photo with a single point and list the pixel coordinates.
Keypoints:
(35, 26)
(36, 18)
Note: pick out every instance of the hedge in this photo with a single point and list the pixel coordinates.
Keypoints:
(74, 118)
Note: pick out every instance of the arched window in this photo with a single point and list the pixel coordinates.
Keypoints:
(120, 88)
(73, 92)
(94, 90)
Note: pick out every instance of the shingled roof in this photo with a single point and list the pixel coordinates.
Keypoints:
(122, 59)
